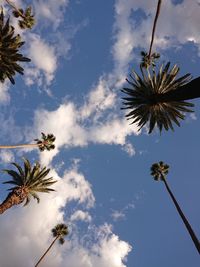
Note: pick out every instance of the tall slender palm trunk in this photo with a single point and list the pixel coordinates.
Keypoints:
(17, 196)
(18, 146)
(37, 264)
(188, 91)
(185, 221)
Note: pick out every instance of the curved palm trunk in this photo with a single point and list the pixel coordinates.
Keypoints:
(188, 91)
(17, 196)
(19, 146)
(37, 264)
(185, 221)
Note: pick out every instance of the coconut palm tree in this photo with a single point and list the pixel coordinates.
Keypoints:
(159, 98)
(27, 181)
(9, 56)
(46, 143)
(159, 171)
(59, 231)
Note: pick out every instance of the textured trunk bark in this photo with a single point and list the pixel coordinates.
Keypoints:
(37, 264)
(185, 221)
(185, 92)
(17, 196)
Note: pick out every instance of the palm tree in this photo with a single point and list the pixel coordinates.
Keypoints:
(159, 98)
(46, 143)
(159, 172)
(9, 56)
(27, 20)
(59, 231)
(27, 182)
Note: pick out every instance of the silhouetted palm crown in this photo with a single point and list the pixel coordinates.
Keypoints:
(60, 230)
(31, 179)
(146, 98)
(46, 143)
(159, 170)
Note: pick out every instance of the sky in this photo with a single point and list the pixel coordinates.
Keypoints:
(118, 216)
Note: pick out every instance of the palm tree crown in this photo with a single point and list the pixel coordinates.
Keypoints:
(30, 180)
(59, 231)
(9, 47)
(159, 170)
(46, 143)
(147, 98)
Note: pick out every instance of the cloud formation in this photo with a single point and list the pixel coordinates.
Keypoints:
(29, 229)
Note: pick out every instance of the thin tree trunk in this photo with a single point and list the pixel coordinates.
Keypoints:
(154, 26)
(185, 221)
(17, 196)
(37, 264)
(188, 91)
(18, 146)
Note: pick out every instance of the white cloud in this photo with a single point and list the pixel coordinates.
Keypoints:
(44, 59)
(72, 130)
(172, 29)
(29, 229)
(81, 216)
(51, 11)
(128, 148)
(117, 215)
(6, 156)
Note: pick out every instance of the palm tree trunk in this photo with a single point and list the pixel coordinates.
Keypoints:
(18, 146)
(185, 221)
(17, 196)
(37, 264)
(188, 91)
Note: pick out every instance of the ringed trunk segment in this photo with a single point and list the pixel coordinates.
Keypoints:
(16, 197)
(188, 91)
(37, 264)
(185, 221)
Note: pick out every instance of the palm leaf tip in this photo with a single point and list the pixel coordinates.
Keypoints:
(145, 98)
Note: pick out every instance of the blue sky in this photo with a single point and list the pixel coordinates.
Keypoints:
(81, 53)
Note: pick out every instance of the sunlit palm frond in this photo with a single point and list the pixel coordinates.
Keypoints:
(33, 178)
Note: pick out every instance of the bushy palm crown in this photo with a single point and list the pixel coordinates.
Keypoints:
(60, 230)
(159, 170)
(144, 98)
(46, 143)
(32, 179)
(9, 46)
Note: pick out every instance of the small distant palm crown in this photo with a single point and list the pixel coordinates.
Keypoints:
(46, 143)
(28, 181)
(59, 231)
(147, 60)
(146, 97)
(159, 170)
(9, 47)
